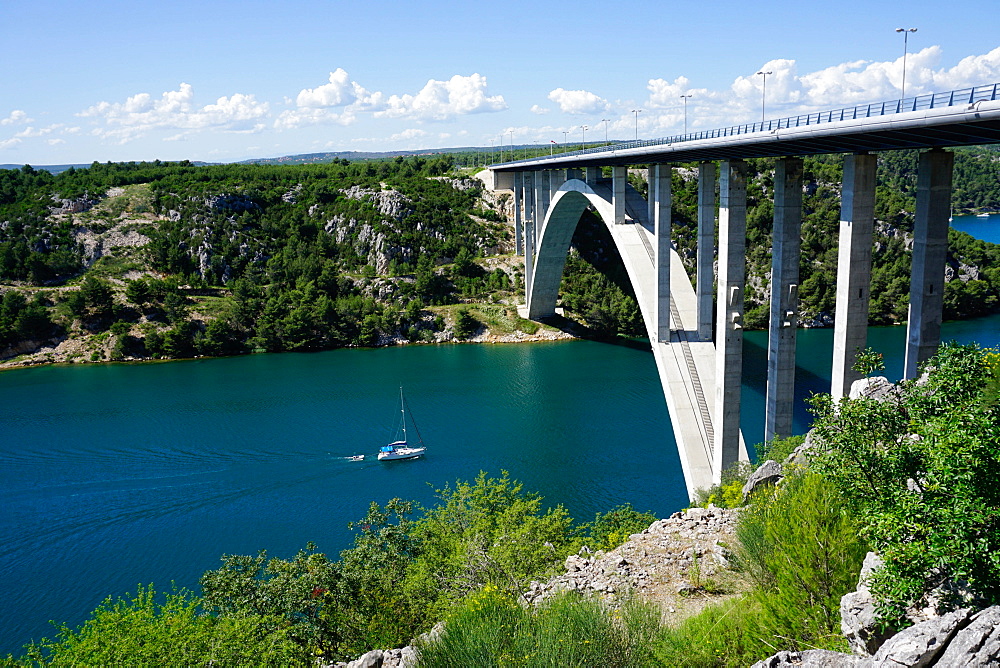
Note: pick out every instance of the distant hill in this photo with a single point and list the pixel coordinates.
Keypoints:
(352, 156)
(55, 169)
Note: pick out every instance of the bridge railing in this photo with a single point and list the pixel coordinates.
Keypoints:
(963, 96)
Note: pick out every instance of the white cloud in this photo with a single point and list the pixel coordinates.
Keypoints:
(10, 143)
(789, 93)
(16, 117)
(442, 100)
(31, 132)
(141, 113)
(536, 109)
(55, 141)
(436, 101)
(578, 101)
(338, 92)
(411, 133)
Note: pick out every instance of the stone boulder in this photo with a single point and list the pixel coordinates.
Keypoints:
(768, 473)
(858, 621)
(876, 387)
(920, 644)
(812, 658)
(978, 644)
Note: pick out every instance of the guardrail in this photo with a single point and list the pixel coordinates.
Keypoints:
(963, 96)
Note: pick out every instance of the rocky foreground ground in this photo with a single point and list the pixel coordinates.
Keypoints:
(681, 563)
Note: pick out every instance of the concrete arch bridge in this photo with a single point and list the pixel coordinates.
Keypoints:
(696, 339)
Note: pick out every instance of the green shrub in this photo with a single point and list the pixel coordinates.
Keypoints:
(800, 547)
(777, 449)
(920, 468)
(491, 629)
(729, 492)
(611, 529)
(165, 630)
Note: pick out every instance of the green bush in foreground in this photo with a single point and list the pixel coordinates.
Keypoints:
(164, 630)
(492, 629)
(919, 468)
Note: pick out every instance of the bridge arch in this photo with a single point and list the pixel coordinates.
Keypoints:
(685, 363)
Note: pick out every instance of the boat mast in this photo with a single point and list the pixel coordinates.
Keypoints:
(402, 411)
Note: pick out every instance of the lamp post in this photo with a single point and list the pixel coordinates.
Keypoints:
(491, 149)
(685, 98)
(605, 121)
(583, 142)
(906, 36)
(637, 112)
(565, 136)
(763, 94)
(511, 144)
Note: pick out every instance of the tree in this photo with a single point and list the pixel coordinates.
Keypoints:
(166, 629)
(465, 324)
(919, 469)
(293, 593)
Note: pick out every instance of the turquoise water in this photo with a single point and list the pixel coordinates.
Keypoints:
(987, 229)
(115, 475)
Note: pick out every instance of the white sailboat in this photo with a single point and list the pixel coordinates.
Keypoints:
(400, 448)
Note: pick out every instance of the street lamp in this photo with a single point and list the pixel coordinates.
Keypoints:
(583, 142)
(637, 112)
(763, 95)
(512, 145)
(605, 121)
(565, 136)
(491, 150)
(685, 98)
(906, 36)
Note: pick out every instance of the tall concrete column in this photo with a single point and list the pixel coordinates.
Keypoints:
(529, 234)
(542, 198)
(729, 319)
(660, 197)
(854, 270)
(557, 177)
(619, 176)
(593, 175)
(930, 247)
(518, 219)
(573, 173)
(705, 272)
(785, 250)
(650, 193)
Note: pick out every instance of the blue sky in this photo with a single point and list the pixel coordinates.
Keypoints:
(221, 81)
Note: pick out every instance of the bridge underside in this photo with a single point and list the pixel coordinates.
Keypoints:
(686, 365)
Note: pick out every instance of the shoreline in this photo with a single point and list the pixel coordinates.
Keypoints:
(45, 355)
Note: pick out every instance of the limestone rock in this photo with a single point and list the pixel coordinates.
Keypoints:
(978, 644)
(876, 387)
(857, 613)
(768, 473)
(812, 658)
(372, 659)
(918, 645)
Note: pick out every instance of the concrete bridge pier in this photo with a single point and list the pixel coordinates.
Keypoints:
(930, 247)
(854, 270)
(729, 321)
(529, 234)
(659, 206)
(518, 220)
(541, 200)
(705, 272)
(593, 176)
(619, 177)
(785, 252)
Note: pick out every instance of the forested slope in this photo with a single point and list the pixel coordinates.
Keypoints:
(137, 260)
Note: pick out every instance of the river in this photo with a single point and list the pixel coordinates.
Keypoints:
(115, 475)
